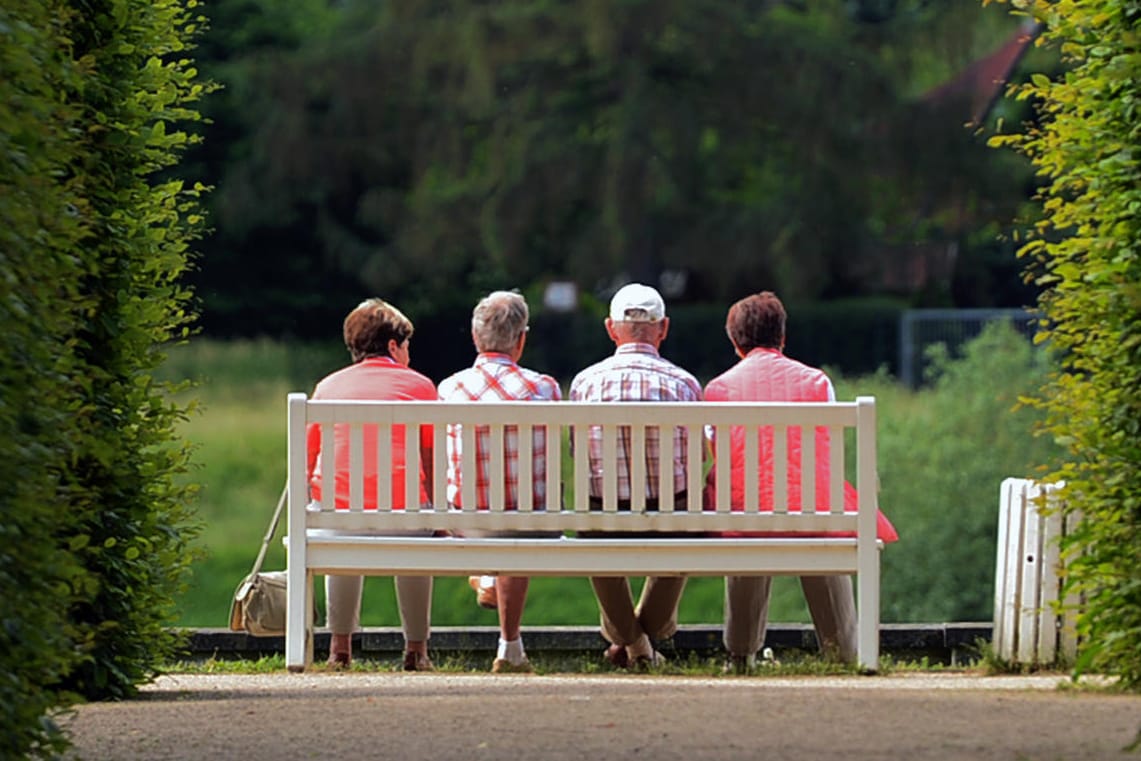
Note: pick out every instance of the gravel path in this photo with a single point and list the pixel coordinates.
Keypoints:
(471, 717)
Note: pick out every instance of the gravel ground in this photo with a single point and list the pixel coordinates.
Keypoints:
(441, 716)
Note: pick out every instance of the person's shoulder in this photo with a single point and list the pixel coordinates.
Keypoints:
(715, 388)
(681, 373)
(450, 384)
(807, 369)
(417, 383)
(334, 380)
(546, 384)
(585, 374)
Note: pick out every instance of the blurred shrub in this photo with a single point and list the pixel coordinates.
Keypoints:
(943, 453)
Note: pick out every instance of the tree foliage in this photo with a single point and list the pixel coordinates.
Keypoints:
(1088, 248)
(94, 528)
(434, 150)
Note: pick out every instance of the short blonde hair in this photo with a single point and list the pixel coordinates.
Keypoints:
(498, 320)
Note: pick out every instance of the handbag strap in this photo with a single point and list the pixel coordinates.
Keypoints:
(272, 530)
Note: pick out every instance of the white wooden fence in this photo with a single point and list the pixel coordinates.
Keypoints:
(1028, 629)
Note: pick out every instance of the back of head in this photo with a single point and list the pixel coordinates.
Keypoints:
(757, 321)
(369, 328)
(637, 314)
(637, 303)
(498, 320)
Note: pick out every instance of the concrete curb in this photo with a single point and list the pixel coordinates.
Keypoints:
(945, 643)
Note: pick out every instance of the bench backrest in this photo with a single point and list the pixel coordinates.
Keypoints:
(567, 425)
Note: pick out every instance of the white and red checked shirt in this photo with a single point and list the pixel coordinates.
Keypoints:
(496, 377)
(635, 373)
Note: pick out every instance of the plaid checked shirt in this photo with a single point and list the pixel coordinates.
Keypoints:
(635, 373)
(495, 377)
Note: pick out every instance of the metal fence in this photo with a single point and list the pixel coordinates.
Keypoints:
(920, 328)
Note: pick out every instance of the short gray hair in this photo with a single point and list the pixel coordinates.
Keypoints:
(498, 320)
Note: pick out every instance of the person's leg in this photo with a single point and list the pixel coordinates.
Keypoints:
(510, 656)
(619, 624)
(833, 608)
(512, 597)
(746, 614)
(342, 615)
(657, 606)
(414, 599)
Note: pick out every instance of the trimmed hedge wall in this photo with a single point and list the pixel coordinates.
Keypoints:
(94, 531)
(1087, 248)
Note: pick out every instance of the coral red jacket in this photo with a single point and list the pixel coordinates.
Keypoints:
(766, 375)
(380, 379)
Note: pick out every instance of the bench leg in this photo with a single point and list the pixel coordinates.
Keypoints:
(298, 621)
(868, 624)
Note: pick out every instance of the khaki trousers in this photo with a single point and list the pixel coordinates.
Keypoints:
(656, 612)
(413, 599)
(830, 601)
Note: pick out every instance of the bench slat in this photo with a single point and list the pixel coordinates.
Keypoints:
(496, 466)
(836, 453)
(525, 488)
(560, 557)
(809, 500)
(637, 462)
(695, 481)
(780, 435)
(678, 521)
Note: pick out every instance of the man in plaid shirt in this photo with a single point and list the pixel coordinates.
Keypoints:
(499, 331)
(636, 372)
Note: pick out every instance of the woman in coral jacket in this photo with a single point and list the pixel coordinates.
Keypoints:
(377, 335)
(756, 328)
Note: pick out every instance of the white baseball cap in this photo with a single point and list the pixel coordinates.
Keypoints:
(637, 303)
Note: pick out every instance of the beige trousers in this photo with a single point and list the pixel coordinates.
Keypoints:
(413, 599)
(830, 601)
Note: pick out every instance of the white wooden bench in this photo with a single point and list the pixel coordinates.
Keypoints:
(313, 550)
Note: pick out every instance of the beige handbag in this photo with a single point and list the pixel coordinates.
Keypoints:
(259, 601)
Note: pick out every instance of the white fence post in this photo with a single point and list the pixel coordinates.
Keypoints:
(1027, 628)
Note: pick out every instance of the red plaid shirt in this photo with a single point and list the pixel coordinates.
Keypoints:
(495, 377)
(635, 373)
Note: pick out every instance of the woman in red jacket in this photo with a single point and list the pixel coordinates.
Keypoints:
(756, 327)
(377, 335)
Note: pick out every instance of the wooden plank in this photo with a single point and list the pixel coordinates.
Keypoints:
(525, 492)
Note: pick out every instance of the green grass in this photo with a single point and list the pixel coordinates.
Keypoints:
(791, 663)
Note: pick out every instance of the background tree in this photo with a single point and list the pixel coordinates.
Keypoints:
(433, 149)
(1088, 249)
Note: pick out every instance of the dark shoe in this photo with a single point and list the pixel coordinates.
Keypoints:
(504, 666)
(339, 661)
(417, 662)
(617, 657)
(487, 597)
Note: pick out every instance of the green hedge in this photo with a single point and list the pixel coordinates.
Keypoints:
(40, 227)
(1088, 249)
(95, 529)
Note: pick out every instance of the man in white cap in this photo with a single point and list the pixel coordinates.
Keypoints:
(636, 372)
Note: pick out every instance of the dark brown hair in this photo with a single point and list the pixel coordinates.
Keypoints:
(757, 321)
(370, 327)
